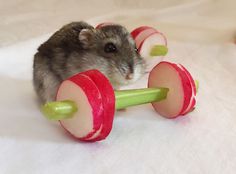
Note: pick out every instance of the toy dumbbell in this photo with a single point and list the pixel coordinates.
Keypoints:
(86, 102)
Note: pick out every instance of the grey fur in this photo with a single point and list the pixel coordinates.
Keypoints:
(78, 47)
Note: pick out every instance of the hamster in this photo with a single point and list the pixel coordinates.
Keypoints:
(78, 47)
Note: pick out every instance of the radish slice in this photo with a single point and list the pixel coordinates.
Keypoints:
(146, 46)
(146, 38)
(179, 99)
(88, 119)
(141, 33)
(108, 100)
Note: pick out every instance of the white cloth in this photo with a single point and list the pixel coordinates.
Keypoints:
(141, 141)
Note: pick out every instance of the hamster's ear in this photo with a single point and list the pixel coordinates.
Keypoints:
(86, 36)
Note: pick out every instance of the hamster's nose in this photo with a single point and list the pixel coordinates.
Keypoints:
(129, 76)
(130, 71)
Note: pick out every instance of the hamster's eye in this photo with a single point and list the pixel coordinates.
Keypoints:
(135, 48)
(110, 48)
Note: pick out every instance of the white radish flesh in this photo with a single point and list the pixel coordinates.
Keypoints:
(146, 46)
(141, 34)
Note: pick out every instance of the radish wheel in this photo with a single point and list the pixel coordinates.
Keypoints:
(85, 106)
(182, 90)
(151, 44)
(88, 118)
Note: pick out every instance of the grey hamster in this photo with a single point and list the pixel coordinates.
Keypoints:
(78, 47)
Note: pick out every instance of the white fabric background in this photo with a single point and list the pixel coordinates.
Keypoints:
(141, 141)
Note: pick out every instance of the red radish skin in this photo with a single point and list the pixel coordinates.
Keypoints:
(169, 75)
(190, 107)
(191, 79)
(108, 99)
(138, 30)
(82, 90)
(95, 135)
(194, 92)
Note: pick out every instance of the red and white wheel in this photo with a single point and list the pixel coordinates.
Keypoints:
(95, 105)
(182, 89)
(146, 38)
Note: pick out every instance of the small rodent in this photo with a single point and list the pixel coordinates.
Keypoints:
(78, 47)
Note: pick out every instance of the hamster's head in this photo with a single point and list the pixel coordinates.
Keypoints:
(116, 50)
